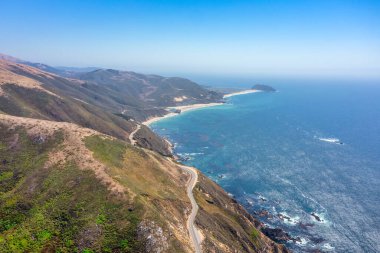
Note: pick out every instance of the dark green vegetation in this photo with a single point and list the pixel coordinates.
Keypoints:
(110, 152)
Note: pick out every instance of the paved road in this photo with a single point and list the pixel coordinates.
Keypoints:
(132, 135)
(193, 231)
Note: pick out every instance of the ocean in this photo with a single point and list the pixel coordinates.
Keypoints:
(305, 159)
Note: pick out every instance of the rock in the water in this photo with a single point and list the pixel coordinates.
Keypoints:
(276, 234)
(316, 217)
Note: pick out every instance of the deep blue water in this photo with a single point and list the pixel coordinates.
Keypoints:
(264, 148)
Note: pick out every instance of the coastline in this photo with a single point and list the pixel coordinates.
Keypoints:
(240, 93)
(185, 108)
(196, 235)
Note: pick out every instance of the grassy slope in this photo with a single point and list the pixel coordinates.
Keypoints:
(34, 103)
(45, 208)
(37, 104)
(61, 207)
(64, 208)
(150, 90)
(99, 100)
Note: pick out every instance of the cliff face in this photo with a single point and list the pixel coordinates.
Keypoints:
(227, 226)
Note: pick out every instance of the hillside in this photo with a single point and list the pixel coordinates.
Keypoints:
(152, 90)
(29, 92)
(72, 179)
(125, 93)
(134, 201)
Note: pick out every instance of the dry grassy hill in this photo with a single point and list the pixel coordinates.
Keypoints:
(65, 188)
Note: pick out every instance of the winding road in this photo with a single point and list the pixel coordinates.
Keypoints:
(193, 231)
(132, 135)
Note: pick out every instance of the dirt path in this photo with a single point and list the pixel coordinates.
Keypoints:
(193, 231)
(132, 135)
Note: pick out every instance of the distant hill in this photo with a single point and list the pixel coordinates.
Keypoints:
(152, 90)
(61, 70)
(134, 95)
(40, 66)
(263, 88)
(77, 69)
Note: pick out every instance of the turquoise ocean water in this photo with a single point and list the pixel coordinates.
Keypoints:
(270, 151)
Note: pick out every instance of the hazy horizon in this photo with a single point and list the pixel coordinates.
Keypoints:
(264, 39)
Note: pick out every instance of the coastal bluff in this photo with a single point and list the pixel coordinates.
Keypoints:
(262, 87)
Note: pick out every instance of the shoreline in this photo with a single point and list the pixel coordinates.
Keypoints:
(241, 93)
(185, 108)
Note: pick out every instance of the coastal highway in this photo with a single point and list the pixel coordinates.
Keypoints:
(193, 231)
(132, 135)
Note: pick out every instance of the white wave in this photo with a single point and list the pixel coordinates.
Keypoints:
(322, 217)
(328, 247)
(302, 241)
(250, 201)
(194, 154)
(289, 220)
(222, 176)
(189, 156)
(331, 140)
(262, 198)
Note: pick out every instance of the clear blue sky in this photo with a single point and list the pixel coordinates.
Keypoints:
(241, 38)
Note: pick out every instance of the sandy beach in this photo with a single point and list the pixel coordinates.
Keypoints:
(240, 93)
(185, 108)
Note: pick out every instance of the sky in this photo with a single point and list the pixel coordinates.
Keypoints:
(321, 38)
